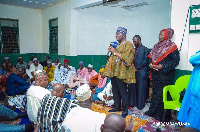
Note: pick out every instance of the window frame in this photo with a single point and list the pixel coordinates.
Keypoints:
(53, 36)
(11, 42)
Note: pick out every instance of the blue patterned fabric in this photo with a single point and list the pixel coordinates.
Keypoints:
(122, 30)
(189, 112)
(19, 100)
(3, 72)
(23, 65)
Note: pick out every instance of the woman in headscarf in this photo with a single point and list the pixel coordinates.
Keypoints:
(164, 58)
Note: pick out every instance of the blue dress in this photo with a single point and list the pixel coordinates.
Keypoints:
(189, 112)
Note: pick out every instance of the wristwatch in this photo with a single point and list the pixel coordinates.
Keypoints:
(114, 53)
(150, 65)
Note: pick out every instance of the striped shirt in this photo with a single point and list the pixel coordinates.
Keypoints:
(52, 113)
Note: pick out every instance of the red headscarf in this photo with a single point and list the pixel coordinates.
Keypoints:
(163, 48)
(66, 60)
(165, 34)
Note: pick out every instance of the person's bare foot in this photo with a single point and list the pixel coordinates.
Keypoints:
(129, 127)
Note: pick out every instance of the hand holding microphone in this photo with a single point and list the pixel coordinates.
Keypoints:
(111, 49)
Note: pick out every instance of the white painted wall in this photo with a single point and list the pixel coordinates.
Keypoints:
(89, 31)
(30, 27)
(86, 31)
(191, 41)
(97, 25)
(61, 11)
(67, 25)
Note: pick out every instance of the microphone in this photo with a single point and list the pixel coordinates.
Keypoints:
(114, 45)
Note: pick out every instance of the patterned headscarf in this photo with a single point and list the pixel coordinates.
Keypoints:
(40, 74)
(168, 33)
(122, 30)
(163, 48)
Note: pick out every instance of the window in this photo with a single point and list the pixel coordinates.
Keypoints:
(53, 36)
(9, 36)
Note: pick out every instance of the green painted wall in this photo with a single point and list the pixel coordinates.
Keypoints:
(179, 73)
(96, 60)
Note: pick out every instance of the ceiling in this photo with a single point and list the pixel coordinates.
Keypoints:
(42, 4)
(34, 4)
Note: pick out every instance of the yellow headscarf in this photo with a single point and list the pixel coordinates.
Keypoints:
(101, 70)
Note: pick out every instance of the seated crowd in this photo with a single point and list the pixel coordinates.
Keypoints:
(31, 86)
(44, 92)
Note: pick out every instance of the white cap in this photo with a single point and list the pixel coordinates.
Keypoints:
(49, 61)
(90, 66)
(83, 92)
(6, 58)
(34, 59)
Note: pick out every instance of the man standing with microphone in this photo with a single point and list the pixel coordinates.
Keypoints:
(121, 70)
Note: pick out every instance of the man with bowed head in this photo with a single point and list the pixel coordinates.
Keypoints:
(64, 115)
(15, 84)
(121, 70)
(141, 66)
